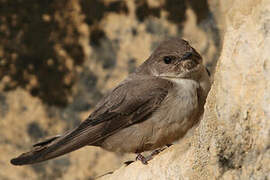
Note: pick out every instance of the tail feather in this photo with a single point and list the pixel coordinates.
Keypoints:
(29, 157)
(59, 145)
(35, 155)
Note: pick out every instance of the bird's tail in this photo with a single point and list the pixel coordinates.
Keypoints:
(57, 146)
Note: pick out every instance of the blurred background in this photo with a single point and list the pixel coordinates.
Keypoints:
(59, 57)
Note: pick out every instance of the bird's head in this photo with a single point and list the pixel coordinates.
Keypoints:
(175, 58)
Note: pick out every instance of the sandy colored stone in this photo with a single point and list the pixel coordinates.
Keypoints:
(53, 70)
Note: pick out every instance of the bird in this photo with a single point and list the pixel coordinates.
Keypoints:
(154, 106)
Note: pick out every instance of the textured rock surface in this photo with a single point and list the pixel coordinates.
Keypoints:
(233, 139)
(58, 58)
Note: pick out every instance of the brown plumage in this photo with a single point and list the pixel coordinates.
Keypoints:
(154, 106)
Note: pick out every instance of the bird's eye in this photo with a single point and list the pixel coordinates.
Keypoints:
(167, 59)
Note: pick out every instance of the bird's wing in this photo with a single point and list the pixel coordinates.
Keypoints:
(131, 102)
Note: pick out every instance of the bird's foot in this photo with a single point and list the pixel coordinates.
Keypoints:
(143, 159)
(157, 151)
(168, 145)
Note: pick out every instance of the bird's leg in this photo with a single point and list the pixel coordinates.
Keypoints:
(168, 145)
(143, 159)
(157, 151)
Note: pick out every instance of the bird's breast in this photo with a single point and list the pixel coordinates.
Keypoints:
(176, 115)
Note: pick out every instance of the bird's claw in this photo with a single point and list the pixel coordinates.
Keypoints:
(143, 159)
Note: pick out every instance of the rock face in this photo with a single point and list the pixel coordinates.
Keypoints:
(59, 57)
(232, 140)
